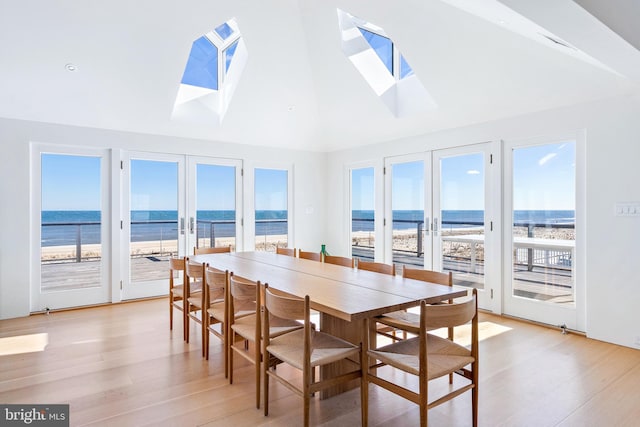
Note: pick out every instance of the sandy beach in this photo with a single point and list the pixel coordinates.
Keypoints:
(152, 248)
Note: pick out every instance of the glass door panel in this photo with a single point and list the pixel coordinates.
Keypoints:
(465, 241)
(363, 213)
(541, 281)
(271, 209)
(459, 213)
(410, 244)
(72, 228)
(155, 222)
(214, 197)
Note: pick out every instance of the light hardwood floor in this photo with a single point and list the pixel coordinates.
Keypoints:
(120, 366)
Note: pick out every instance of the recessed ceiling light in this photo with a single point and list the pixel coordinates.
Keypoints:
(71, 68)
(291, 107)
(502, 22)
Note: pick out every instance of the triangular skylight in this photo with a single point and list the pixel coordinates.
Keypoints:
(213, 69)
(382, 65)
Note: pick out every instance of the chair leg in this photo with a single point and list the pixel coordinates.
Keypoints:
(205, 338)
(230, 357)
(186, 323)
(170, 312)
(205, 332)
(265, 381)
(306, 398)
(258, 366)
(225, 346)
(474, 393)
(364, 384)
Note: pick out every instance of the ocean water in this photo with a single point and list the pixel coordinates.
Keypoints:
(64, 227)
(404, 220)
(61, 227)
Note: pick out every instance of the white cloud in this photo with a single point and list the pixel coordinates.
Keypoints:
(546, 158)
(473, 172)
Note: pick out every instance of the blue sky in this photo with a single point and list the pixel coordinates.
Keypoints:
(154, 185)
(270, 189)
(70, 182)
(544, 178)
(215, 187)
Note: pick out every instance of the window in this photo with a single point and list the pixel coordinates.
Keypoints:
(271, 209)
(202, 67)
(379, 61)
(210, 77)
(382, 46)
(363, 213)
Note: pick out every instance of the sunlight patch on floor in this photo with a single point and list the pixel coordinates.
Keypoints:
(23, 344)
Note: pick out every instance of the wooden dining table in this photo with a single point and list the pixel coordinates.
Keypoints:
(346, 298)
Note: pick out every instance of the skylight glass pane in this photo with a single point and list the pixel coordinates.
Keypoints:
(224, 31)
(202, 66)
(382, 46)
(228, 54)
(405, 68)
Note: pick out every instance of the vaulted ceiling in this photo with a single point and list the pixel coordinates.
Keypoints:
(479, 60)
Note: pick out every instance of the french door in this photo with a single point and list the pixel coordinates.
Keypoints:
(172, 205)
(407, 210)
(543, 223)
(71, 227)
(440, 213)
(465, 224)
(214, 203)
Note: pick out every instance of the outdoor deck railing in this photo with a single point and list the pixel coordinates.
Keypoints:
(547, 252)
(204, 229)
(523, 255)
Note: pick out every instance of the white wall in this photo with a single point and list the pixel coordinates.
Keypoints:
(15, 139)
(612, 127)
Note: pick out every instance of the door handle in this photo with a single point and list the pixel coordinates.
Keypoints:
(191, 223)
(435, 226)
(182, 225)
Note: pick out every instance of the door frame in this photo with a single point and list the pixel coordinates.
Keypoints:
(425, 157)
(489, 298)
(155, 287)
(191, 196)
(552, 314)
(40, 301)
(378, 205)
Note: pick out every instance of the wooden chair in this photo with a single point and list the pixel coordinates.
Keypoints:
(314, 256)
(407, 321)
(286, 251)
(176, 291)
(194, 276)
(339, 260)
(428, 357)
(382, 268)
(377, 267)
(245, 329)
(303, 349)
(216, 318)
(216, 250)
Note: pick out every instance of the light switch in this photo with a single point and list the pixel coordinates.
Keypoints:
(627, 209)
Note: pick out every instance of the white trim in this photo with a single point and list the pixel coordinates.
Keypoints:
(131, 290)
(77, 297)
(574, 316)
(251, 226)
